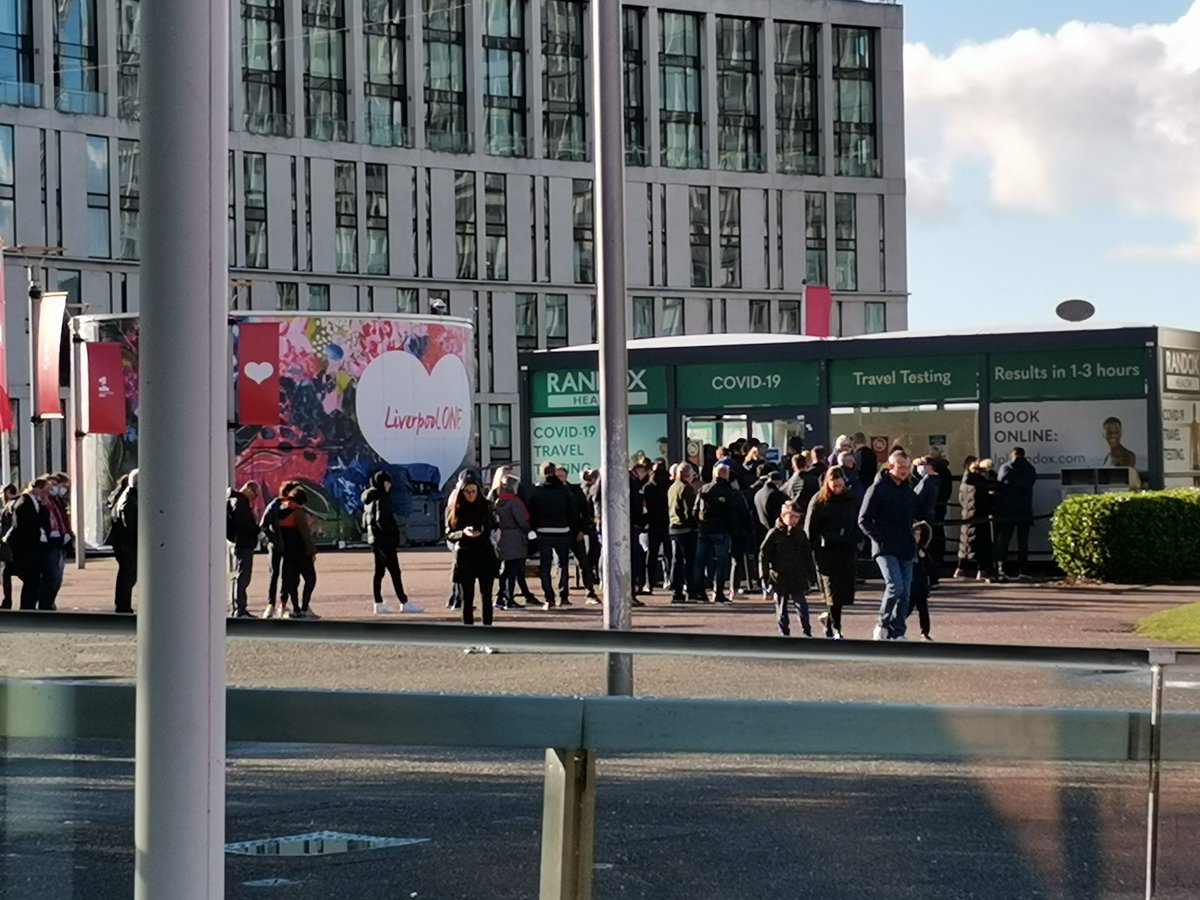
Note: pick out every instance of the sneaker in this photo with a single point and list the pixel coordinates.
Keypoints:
(269, 612)
(927, 637)
(296, 614)
(1001, 578)
(879, 633)
(381, 609)
(243, 614)
(563, 601)
(547, 604)
(679, 598)
(808, 632)
(900, 637)
(410, 607)
(471, 650)
(636, 602)
(515, 604)
(959, 573)
(836, 636)
(592, 600)
(490, 651)
(1024, 576)
(721, 598)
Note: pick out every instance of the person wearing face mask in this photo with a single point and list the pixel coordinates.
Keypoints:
(28, 539)
(928, 490)
(61, 539)
(832, 527)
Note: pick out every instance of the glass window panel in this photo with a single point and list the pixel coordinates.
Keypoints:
(760, 316)
(672, 320)
(643, 317)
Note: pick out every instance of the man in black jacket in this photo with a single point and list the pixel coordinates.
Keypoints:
(269, 525)
(768, 502)
(1014, 511)
(886, 518)
(125, 544)
(241, 531)
(553, 515)
(715, 510)
(28, 537)
(584, 540)
(383, 534)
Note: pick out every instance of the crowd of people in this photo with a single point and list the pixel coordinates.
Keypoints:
(730, 523)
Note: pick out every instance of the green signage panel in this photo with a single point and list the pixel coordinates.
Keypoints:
(578, 390)
(715, 386)
(1111, 373)
(900, 381)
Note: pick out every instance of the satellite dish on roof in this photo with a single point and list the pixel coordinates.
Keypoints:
(1075, 310)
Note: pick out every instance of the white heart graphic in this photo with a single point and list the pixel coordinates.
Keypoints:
(409, 415)
(258, 372)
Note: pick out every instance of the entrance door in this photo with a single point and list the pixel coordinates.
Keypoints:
(783, 436)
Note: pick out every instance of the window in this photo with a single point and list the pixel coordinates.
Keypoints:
(130, 198)
(17, 87)
(408, 300)
(854, 146)
(129, 57)
(254, 210)
(585, 240)
(8, 211)
(760, 316)
(345, 207)
(504, 94)
(845, 276)
(378, 262)
(527, 322)
(446, 77)
(500, 432)
(700, 227)
(789, 317)
(738, 123)
(731, 237)
(874, 317)
(287, 295)
(325, 116)
(672, 319)
(556, 320)
(643, 317)
(681, 122)
(97, 197)
(797, 88)
(564, 115)
(264, 73)
(495, 208)
(464, 224)
(318, 297)
(386, 85)
(439, 303)
(76, 58)
(815, 239)
(635, 94)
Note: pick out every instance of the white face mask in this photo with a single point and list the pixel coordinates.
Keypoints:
(921, 470)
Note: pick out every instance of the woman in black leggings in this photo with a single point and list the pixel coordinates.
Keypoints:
(469, 527)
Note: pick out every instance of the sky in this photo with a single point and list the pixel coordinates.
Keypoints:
(1053, 151)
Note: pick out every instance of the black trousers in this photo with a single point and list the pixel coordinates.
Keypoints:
(126, 578)
(658, 559)
(799, 602)
(243, 569)
(582, 550)
(387, 560)
(1004, 533)
(683, 565)
(468, 599)
(275, 562)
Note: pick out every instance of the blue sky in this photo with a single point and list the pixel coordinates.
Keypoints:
(1020, 152)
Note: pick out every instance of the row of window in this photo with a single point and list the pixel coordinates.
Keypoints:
(503, 51)
(495, 235)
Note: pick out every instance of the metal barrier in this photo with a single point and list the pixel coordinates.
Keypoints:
(576, 729)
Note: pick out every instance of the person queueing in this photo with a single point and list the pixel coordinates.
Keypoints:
(6, 554)
(582, 535)
(512, 518)
(681, 507)
(61, 539)
(786, 558)
(658, 525)
(468, 527)
(269, 525)
(124, 540)
(886, 518)
(553, 516)
(921, 580)
(294, 553)
(832, 527)
(383, 535)
(241, 531)
(28, 538)
(715, 511)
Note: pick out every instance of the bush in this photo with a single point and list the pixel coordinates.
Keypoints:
(1146, 537)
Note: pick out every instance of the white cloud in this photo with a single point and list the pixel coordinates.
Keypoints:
(1091, 117)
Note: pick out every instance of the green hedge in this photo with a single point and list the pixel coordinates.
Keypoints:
(1142, 538)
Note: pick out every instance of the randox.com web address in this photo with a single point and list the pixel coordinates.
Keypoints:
(1066, 459)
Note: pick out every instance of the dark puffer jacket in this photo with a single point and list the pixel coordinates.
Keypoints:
(378, 520)
(786, 559)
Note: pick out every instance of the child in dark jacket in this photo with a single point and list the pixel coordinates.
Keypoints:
(786, 559)
(919, 592)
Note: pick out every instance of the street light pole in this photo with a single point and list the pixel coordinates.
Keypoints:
(179, 768)
(609, 147)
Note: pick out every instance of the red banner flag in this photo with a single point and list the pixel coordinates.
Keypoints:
(104, 401)
(6, 415)
(48, 341)
(258, 373)
(818, 304)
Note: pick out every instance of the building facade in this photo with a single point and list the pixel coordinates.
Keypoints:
(420, 155)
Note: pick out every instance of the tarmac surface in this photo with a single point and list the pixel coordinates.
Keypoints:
(669, 827)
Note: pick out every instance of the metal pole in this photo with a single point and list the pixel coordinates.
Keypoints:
(608, 143)
(75, 438)
(179, 770)
(29, 458)
(1156, 704)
